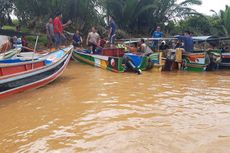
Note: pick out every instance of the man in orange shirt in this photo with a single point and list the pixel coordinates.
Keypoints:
(58, 30)
(132, 48)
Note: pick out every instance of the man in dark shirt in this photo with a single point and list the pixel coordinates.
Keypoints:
(112, 30)
(188, 41)
(77, 39)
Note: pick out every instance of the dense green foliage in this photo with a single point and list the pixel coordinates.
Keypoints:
(224, 19)
(143, 15)
(132, 16)
(6, 8)
(35, 13)
(218, 24)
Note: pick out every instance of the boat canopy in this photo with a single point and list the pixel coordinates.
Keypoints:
(209, 38)
(199, 39)
(204, 38)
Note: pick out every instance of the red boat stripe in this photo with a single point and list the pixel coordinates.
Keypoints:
(29, 71)
(35, 71)
(36, 84)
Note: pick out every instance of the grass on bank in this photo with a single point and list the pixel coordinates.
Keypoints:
(13, 28)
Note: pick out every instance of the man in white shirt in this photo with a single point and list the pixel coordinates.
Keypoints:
(145, 48)
(92, 39)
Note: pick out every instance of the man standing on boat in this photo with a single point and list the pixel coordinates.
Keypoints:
(77, 39)
(58, 30)
(112, 31)
(92, 39)
(50, 32)
(157, 34)
(187, 40)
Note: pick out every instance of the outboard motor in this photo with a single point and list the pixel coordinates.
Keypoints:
(130, 66)
(215, 60)
(170, 58)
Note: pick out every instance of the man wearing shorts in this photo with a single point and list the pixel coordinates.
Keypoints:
(112, 30)
(92, 39)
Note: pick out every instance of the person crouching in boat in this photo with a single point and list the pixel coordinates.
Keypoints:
(77, 40)
(132, 48)
(92, 39)
(144, 48)
(101, 44)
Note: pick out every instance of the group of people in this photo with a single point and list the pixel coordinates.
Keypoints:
(184, 41)
(56, 37)
(55, 31)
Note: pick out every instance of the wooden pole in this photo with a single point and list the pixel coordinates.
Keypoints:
(35, 47)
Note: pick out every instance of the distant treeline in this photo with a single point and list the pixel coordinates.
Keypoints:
(132, 16)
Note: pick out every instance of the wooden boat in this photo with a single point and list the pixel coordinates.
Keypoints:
(10, 53)
(112, 62)
(225, 61)
(31, 55)
(202, 61)
(195, 62)
(225, 52)
(156, 58)
(205, 58)
(177, 59)
(17, 75)
(158, 61)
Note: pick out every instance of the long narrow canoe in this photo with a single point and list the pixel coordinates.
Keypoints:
(112, 63)
(105, 62)
(18, 75)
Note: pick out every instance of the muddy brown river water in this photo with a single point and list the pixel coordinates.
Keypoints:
(93, 110)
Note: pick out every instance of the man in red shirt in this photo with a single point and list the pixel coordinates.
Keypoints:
(58, 30)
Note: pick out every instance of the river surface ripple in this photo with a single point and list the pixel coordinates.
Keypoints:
(93, 110)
